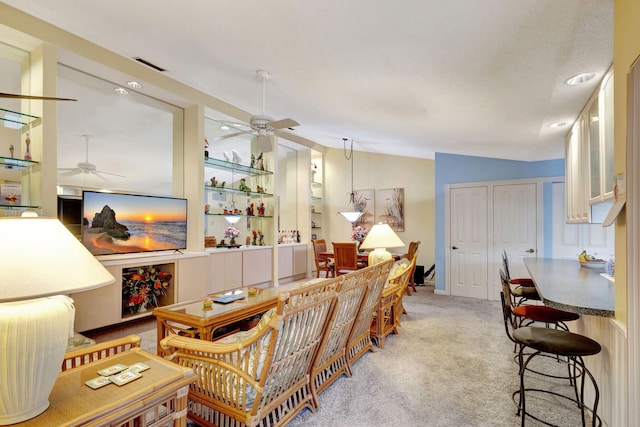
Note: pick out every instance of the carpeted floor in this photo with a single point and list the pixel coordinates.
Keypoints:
(450, 365)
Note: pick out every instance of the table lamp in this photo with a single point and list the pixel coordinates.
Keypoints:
(381, 237)
(41, 263)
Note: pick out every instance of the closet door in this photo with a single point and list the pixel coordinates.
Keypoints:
(468, 242)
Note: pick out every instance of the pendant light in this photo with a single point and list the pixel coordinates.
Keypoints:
(351, 214)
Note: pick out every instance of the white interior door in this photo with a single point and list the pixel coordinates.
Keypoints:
(514, 229)
(468, 242)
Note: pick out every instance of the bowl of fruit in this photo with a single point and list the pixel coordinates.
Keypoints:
(590, 261)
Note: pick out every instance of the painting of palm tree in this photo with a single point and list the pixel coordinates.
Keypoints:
(389, 207)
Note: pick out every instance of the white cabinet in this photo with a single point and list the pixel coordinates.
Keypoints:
(576, 173)
(603, 181)
(292, 261)
(256, 266)
(225, 270)
(589, 173)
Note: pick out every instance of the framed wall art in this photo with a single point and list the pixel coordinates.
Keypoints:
(365, 203)
(389, 207)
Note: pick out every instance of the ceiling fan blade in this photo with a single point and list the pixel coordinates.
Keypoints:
(99, 175)
(107, 173)
(231, 135)
(40, 98)
(284, 123)
(69, 171)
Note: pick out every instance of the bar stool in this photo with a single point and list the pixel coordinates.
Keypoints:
(526, 315)
(524, 286)
(557, 343)
(520, 294)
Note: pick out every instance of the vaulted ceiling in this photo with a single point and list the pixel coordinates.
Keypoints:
(481, 78)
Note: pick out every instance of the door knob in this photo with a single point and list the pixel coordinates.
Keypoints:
(530, 251)
(454, 247)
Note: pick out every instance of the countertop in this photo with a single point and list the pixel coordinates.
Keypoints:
(565, 285)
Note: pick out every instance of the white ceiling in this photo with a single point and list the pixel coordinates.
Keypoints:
(411, 78)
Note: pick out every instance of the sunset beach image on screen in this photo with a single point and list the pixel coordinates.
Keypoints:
(115, 223)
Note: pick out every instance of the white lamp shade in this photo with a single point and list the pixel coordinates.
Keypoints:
(40, 257)
(381, 236)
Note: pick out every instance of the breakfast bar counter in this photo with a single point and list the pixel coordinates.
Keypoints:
(565, 285)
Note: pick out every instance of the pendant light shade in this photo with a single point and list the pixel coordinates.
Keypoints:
(351, 214)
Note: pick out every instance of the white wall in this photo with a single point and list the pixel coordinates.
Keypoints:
(378, 171)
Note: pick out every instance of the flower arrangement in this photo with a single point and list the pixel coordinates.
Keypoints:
(359, 233)
(231, 232)
(144, 285)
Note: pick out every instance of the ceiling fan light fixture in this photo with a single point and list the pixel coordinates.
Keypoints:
(579, 79)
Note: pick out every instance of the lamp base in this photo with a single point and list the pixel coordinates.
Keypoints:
(379, 255)
(33, 336)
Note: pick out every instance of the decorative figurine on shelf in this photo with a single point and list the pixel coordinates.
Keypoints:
(247, 241)
(235, 157)
(206, 208)
(250, 210)
(214, 182)
(11, 151)
(253, 161)
(27, 153)
(261, 238)
(223, 184)
(297, 236)
(255, 238)
(243, 186)
(206, 148)
(226, 156)
(260, 189)
(261, 209)
(260, 162)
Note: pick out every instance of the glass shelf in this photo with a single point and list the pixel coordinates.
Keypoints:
(234, 167)
(4, 206)
(241, 216)
(17, 164)
(4, 119)
(234, 191)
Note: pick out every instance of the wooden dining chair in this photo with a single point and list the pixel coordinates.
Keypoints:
(411, 253)
(322, 263)
(345, 257)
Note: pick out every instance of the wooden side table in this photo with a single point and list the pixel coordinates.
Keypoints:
(159, 397)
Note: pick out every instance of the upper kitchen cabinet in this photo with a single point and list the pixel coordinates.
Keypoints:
(589, 167)
(600, 116)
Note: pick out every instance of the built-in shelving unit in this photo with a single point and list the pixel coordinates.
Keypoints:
(15, 188)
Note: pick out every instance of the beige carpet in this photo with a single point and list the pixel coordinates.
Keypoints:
(451, 365)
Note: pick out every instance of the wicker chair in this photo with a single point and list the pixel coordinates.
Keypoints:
(389, 309)
(331, 361)
(346, 257)
(258, 377)
(322, 264)
(359, 341)
(84, 355)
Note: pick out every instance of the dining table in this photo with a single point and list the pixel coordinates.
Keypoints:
(363, 257)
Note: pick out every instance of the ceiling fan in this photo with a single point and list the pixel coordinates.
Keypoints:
(86, 167)
(262, 125)
(34, 97)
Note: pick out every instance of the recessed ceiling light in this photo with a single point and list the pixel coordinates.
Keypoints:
(134, 85)
(237, 125)
(120, 90)
(224, 127)
(580, 78)
(557, 124)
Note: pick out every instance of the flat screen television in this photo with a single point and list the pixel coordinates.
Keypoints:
(116, 223)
